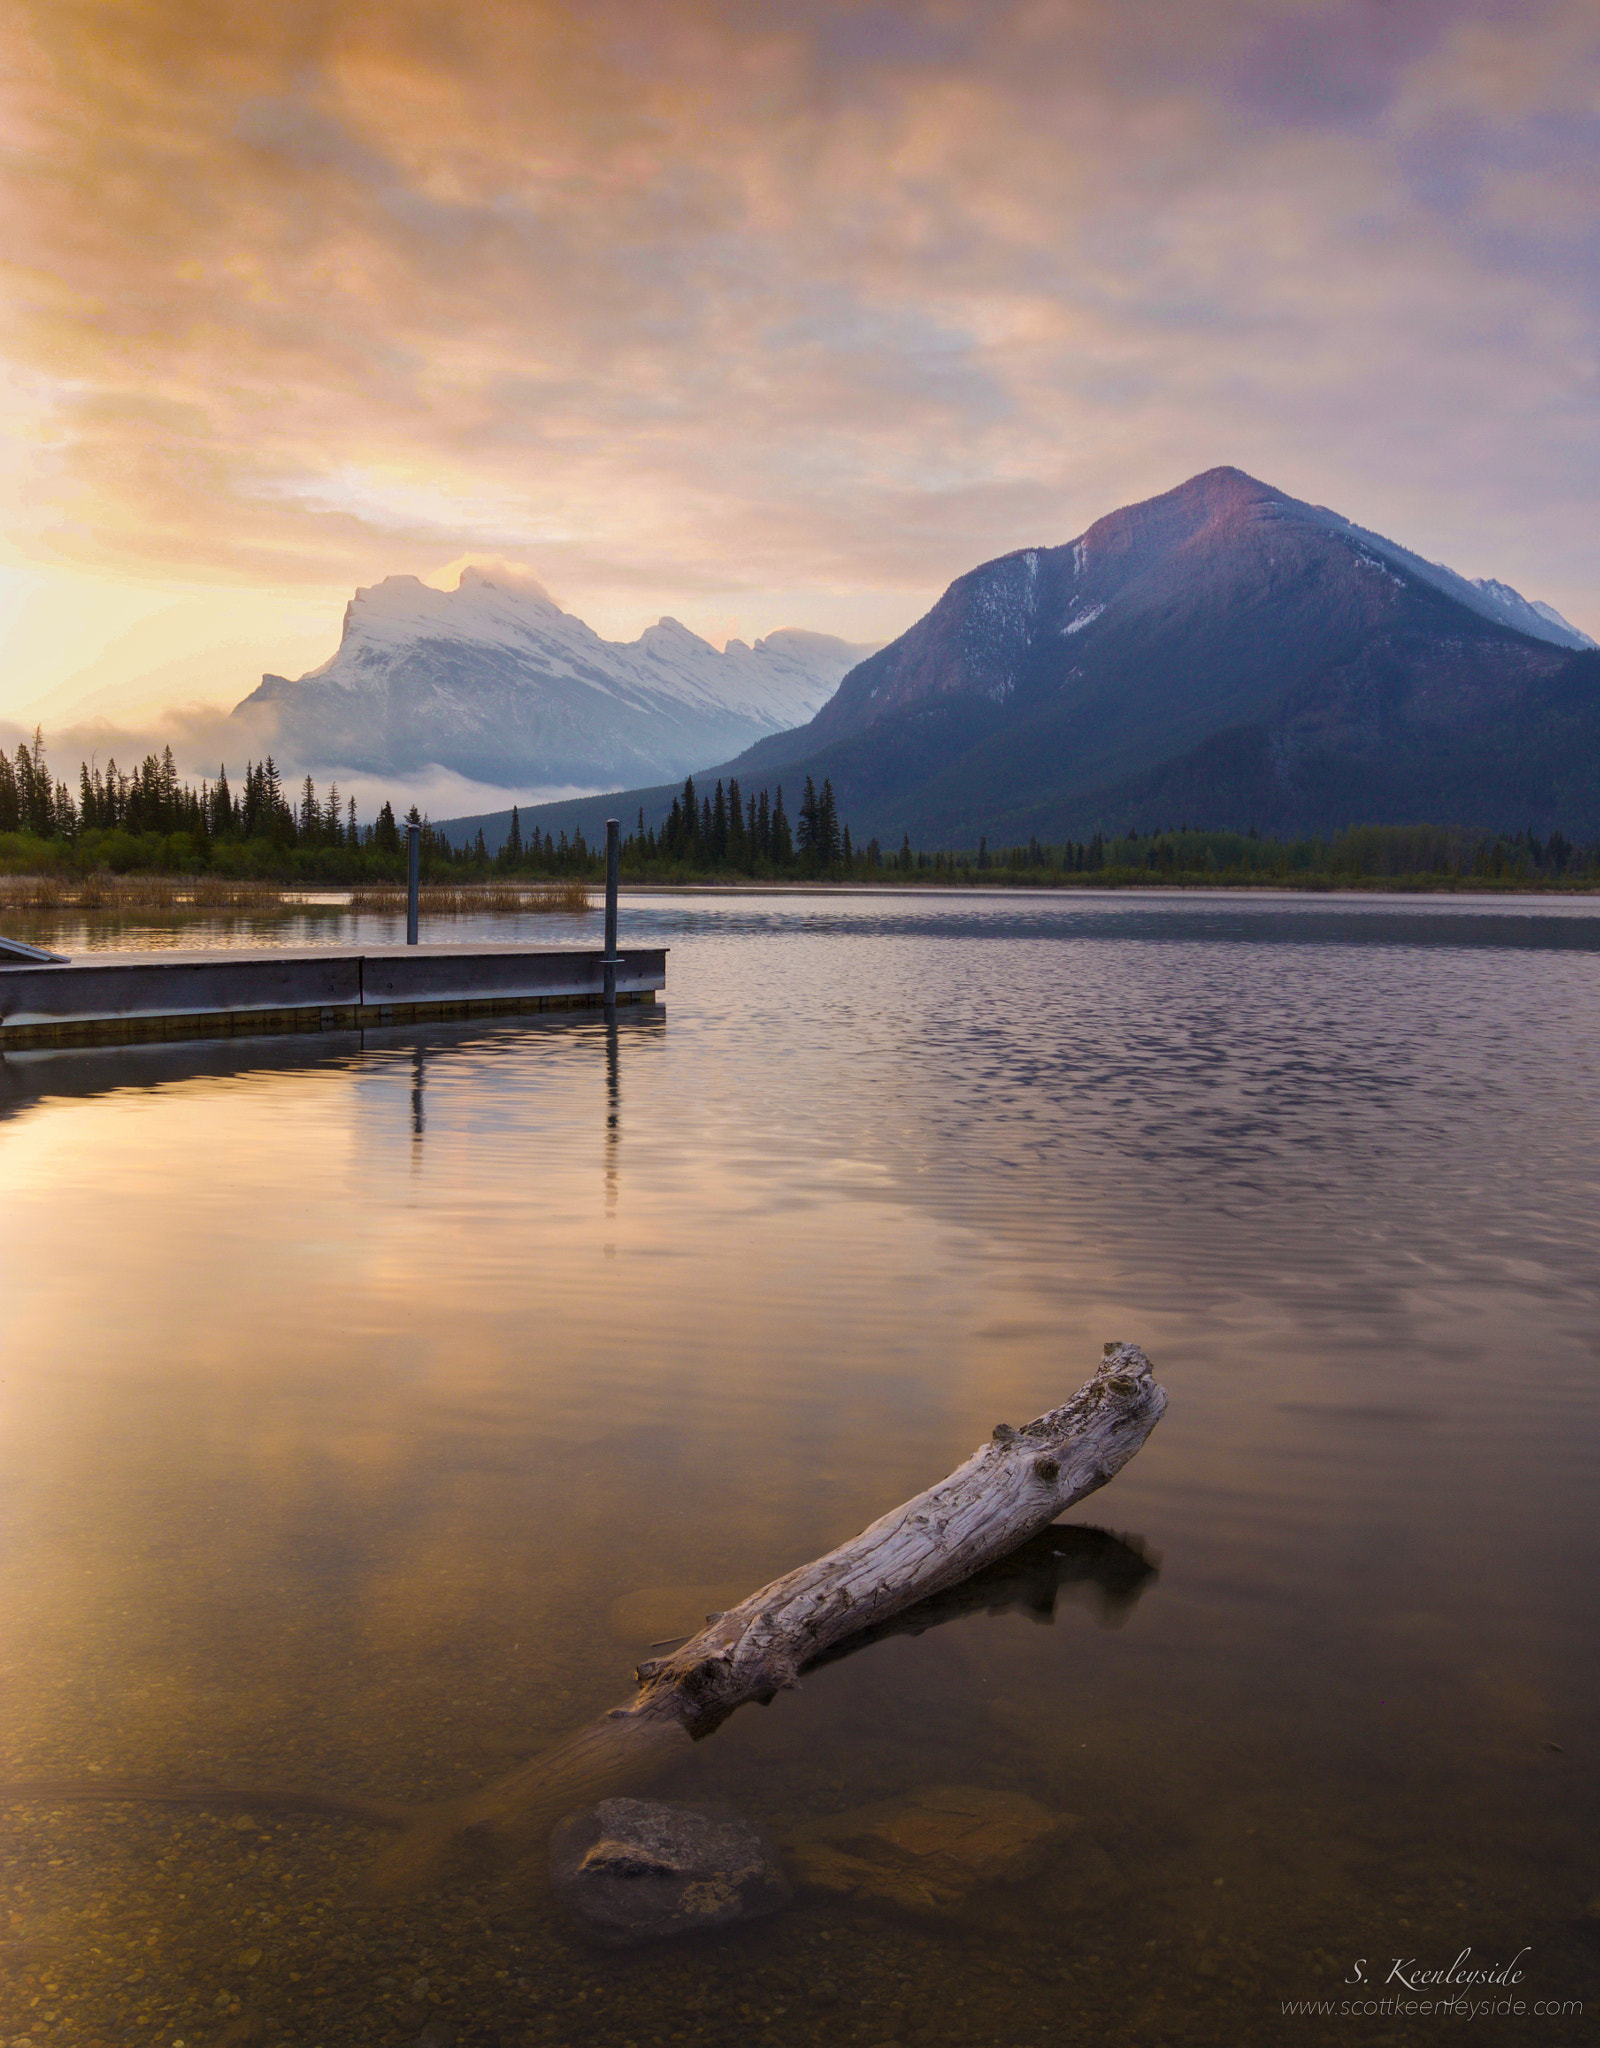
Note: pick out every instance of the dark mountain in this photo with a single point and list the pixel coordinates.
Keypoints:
(1223, 655)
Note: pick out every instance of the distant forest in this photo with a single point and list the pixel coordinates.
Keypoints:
(148, 819)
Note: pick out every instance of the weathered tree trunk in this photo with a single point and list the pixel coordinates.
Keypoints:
(1008, 1490)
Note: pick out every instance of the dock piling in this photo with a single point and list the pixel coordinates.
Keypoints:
(608, 959)
(413, 871)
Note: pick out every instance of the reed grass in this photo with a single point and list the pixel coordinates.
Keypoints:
(136, 892)
(65, 892)
(477, 898)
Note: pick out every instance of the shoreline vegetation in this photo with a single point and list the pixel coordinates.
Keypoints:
(147, 840)
(61, 890)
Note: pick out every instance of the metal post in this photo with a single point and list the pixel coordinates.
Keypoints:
(609, 958)
(413, 868)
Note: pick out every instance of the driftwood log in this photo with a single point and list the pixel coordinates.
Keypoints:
(1010, 1489)
(1007, 1492)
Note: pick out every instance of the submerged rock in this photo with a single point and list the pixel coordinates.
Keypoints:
(926, 1851)
(633, 1870)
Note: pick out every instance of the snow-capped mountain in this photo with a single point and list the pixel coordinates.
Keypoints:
(1482, 594)
(1530, 614)
(1225, 654)
(494, 681)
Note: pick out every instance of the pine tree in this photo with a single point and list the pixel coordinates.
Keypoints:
(738, 854)
(782, 843)
(806, 826)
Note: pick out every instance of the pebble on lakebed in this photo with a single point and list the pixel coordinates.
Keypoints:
(632, 1870)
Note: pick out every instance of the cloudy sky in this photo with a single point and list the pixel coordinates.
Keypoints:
(761, 312)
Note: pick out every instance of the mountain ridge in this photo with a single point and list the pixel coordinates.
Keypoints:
(495, 681)
(1089, 686)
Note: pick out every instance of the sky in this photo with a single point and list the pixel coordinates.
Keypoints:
(759, 314)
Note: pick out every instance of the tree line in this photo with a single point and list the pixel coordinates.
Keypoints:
(148, 817)
(727, 830)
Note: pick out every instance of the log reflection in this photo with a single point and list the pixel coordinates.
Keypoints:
(1111, 1572)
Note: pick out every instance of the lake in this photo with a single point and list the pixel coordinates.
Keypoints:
(370, 1408)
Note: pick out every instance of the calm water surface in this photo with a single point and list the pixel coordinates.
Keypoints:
(368, 1408)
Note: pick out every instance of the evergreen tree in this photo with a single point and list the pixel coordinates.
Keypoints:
(738, 854)
(691, 821)
(782, 843)
(827, 826)
(807, 827)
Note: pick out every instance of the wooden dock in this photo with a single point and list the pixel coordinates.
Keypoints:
(126, 998)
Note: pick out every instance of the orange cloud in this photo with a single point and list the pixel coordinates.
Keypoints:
(818, 298)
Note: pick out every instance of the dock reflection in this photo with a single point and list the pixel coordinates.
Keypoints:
(613, 1112)
(81, 1073)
